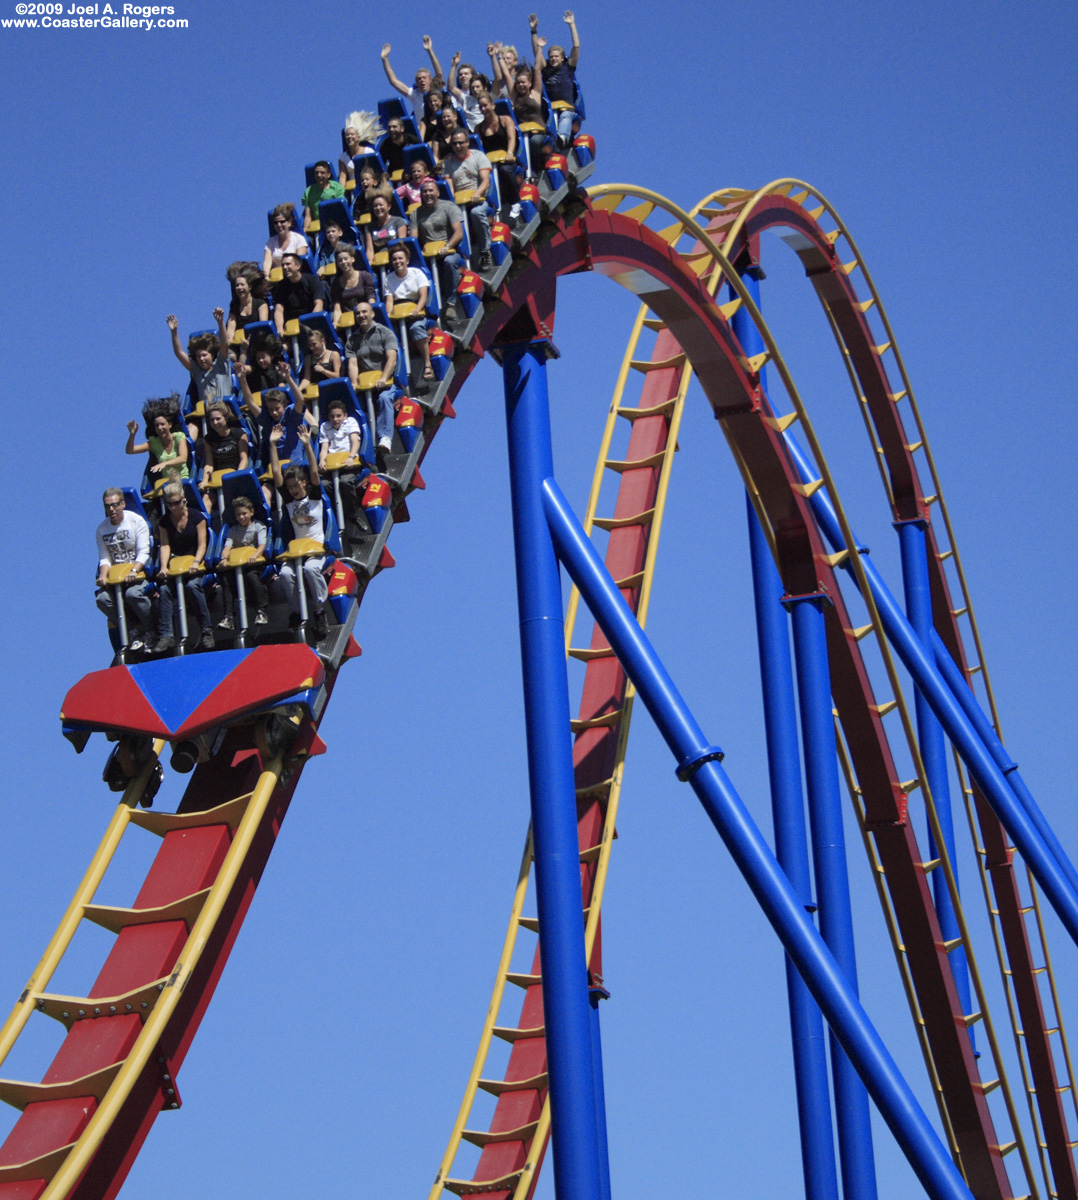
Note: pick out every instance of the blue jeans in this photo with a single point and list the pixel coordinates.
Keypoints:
(565, 126)
(448, 275)
(136, 602)
(384, 416)
(479, 227)
(196, 592)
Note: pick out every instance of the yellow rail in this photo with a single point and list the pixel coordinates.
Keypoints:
(84, 894)
(615, 194)
(83, 1150)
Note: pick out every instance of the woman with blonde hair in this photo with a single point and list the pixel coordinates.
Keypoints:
(359, 136)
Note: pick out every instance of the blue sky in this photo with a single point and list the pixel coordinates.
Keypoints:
(138, 165)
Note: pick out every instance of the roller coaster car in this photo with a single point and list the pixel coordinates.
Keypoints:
(189, 702)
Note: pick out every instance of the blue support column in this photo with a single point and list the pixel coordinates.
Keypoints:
(933, 746)
(698, 765)
(832, 880)
(595, 994)
(567, 1014)
(956, 683)
(791, 850)
(1024, 830)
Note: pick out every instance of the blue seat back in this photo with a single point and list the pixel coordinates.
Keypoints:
(394, 107)
(421, 151)
(308, 171)
(295, 223)
(337, 212)
(371, 159)
(245, 483)
(321, 321)
(341, 389)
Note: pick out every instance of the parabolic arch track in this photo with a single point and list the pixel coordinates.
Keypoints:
(82, 1126)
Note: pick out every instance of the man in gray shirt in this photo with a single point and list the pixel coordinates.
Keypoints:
(468, 170)
(437, 220)
(373, 347)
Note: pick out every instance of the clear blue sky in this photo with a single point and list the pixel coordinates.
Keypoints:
(138, 165)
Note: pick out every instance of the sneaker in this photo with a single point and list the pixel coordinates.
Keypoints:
(294, 620)
(486, 261)
(514, 213)
(225, 624)
(261, 618)
(207, 640)
(137, 644)
(385, 445)
(163, 644)
(320, 625)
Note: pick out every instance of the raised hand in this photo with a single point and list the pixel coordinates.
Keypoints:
(276, 433)
(427, 43)
(304, 435)
(569, 18)
(540, 42)
(533, 22)
(132, 427)
(218, 314)
(172, 323)
(455, 59)
(386, 49)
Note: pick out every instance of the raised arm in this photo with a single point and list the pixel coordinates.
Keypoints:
(496, 79)
(304, 435)
(428, 45)
(574, 54)
(451, 82)
(537, 42)
(394, 82)
(177, 349)
(222, 334)
(298, 398)
(131, 448)
(245, 390)
(276, 433)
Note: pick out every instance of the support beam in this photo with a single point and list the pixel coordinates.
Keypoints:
(1021, 828)
(566, 1009)
(832, 879)
(697, 764)
(791, 850)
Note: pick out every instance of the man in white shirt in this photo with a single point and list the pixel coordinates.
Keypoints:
(123, 537)
(423, 81)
